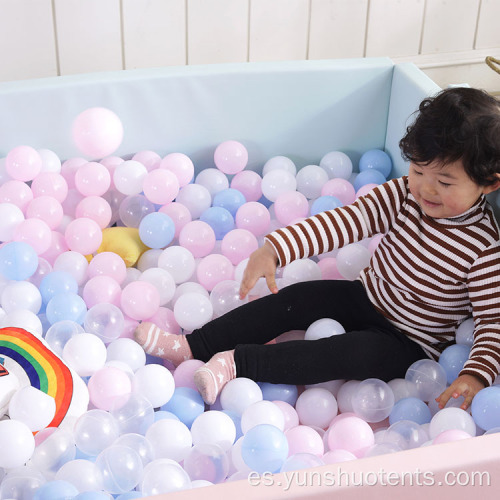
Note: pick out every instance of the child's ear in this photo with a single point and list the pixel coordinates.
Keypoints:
(493, 187)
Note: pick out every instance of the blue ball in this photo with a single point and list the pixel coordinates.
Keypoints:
(369, 176)
(18, 260)
(55, 490)
(485, 408)
(64, 306)
(279, 392)
(219, 219)
(55, 283)
(157, 230)
(324, 203)
(378, 160)
(186, 404)
(452, 359)
(264, 448)
(231, 199)
(413, 409)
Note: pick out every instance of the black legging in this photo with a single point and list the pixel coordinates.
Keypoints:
(371, 348)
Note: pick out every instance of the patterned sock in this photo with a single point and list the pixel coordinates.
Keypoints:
(162, 344)
(211, 378)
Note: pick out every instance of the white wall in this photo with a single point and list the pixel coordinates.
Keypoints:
(448, 39)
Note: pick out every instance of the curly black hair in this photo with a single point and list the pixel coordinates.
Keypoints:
(458, 123)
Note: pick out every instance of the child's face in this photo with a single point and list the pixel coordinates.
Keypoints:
(444, 191)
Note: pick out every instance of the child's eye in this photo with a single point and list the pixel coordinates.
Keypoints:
(444, 184)
(417, 172)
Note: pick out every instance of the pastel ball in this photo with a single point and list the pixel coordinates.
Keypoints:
(23, 163)
(376, 159)
(368, 176)
(219, 219)
(97, 132)
(486, 408)
(231, 157)
(18, 260)
(325, 203)
(452, 359)
(410, 408)
(156, 230)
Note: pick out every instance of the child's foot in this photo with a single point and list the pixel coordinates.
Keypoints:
(214, 375)
(162, 344)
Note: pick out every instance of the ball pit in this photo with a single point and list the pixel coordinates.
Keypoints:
(118, 445)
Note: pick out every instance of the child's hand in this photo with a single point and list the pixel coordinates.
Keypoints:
(465, 385)
(262, 262)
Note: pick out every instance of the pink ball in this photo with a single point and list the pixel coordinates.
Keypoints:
(289, 412)
(92, 179)
(238, 244)
(304, 439)
(181, 165)
(109, 388)
(108, 264)
(36, 233)
(16, 192)
(72, 200)
(198, 237)
(336, 456)
(254, 217)
(164, 318)
(95, 208)
(97, 132)
(46, 208)
(83, 235)
(160, 186)
(352, 434)
(50, 184)
(149, 159)
(213, 269)
(101, 289)
(140, 300)
(290, 206)
(451, 435)
(342, 189)
(183, 374)
(329, 271)
(58, 246)
(69, 168)
(231, 157)
(248, 183)
(179, 214)
(23, 163)
(363, 190)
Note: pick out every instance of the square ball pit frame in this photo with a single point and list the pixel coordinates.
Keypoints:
(300, 109)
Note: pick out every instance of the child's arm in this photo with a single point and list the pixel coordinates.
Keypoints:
(464, 385)
(262, 262)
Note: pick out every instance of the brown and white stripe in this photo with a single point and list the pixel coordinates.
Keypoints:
(426, 276)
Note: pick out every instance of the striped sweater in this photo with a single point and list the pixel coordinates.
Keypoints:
(426, 276)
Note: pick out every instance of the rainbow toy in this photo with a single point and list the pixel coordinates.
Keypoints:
(28, 360)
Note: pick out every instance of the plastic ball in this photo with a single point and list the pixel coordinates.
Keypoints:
(325, 203)
(149, 159)
(10, 217)
(219, 219)
(186, 403)
(301, 270)
(18, 260)
(100, 290)
(160, 186)
(16, 437)
(85, 353)
(156, 230)
(262, 412)
(254, 217)
(366, 177)
(140, 300)
(336, 456)
(36, 233)
(196, 198)
(208, 462)
(376, 159)
(50, 161)
(410, 408)
(16, 192)
(248, 183)
(224, 297)
(452, 359)
(352, 434)
(169, 439)
(83, 235)
(83, 474)
(181, 165)
(46, 208)
(97, 132)
(316, 407)
(344, 396)
(213, 179)
(405, 434)
(213, 269)
(139, 444)
(33, 407)
(451, 418)
(276, 393)
(352, 259)
(403, 389)
(465, 333)
(310, 180)
(240, 393)
(291, 206)
(127, 351)
(121, 468)
(134, 208)
(323, 328)
(55, 490)
(451, 435)
(301, 461)
(73, 263)
(238, 244)
(231, 157)
(304, 439)
(197, 237)
(485, 408)
(264, 448)
(95, 208)
(94, 431)
(23, 318)
(50, 184)
(23, 163)
(214, 427)
(336, 164)
(192, 310)
(92, 179)
(279, 163)
(66, 306)
(428, 376)
(163, 476)
(179, 262)
(373, 400)
(109, 387)
(128, 177)
(277, 182)
(155, 383)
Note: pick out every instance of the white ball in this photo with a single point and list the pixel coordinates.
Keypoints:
(279, 163)
(179, 262)
(301, 270)
(310, 180)
(193, 310)
(240, 393)
(323, 328)
(214, 427)
(337, 164)
(16, 442)
(21, 295)
(196, 198)
(22, 318)
(85, 353)
(126, 351)
(33, 407)
(352, 259)
(189, 287)
(73, 263)
(277, 182)
(162, 280)
(213, 180)
(451, 418)
(129, 176)
(169, 438)
(262, 412)
(149, 259)
(50, 161)
(155, 383)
